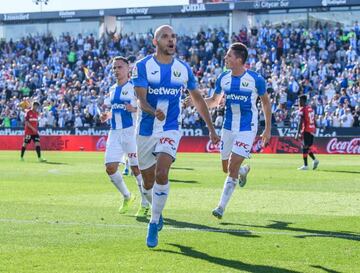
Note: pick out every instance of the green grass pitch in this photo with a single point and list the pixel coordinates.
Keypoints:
(61, 216)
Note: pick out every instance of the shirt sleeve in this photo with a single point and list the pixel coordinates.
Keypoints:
(133, 101)
(138, 75)
(218, 88)
(191, 84)
(260, 85)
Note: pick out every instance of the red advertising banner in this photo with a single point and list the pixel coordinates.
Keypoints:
(57, 143)
(280, 145)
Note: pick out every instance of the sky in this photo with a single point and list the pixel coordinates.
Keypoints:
(19, 6)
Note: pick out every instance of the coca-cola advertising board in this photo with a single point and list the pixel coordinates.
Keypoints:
(343, 146)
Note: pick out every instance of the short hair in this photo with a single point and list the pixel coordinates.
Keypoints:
(303, 98)
(131, 59)
(120, 58)
(240, 51)
(36, 103)
(158, 31)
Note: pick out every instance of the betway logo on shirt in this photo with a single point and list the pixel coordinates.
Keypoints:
(237, 97)
(164, 91)
(117, 106)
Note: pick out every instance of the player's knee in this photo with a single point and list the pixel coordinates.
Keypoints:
(305, 150)
(147, 185)
(161, 175)
(111, 169)
(233, 170)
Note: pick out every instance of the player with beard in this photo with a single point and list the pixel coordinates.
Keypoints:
(159, 80)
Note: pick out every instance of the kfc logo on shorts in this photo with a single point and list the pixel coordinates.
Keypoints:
(164, 140)
(242, 145)
(131, 155)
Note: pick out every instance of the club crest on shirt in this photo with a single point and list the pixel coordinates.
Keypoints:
(124, 92)
(177, 74)
(244, 84)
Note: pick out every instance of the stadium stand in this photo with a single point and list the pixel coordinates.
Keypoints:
(70, 76)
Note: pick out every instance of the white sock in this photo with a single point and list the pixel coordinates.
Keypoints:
(147, 194)
(139, 180)
(160, 194)
(118, 181)
(127, 165)
(242, 170)
(229, 187)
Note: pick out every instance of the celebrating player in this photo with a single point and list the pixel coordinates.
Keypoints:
(307, 129)
(121, 137)
(31, 131)
(159, 80)
(241, 88)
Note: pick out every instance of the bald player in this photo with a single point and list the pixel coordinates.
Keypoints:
(159, 80)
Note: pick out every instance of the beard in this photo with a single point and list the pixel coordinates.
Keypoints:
(167, 50)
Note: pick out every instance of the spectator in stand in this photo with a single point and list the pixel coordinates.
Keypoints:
(75, 70)
(347, 119)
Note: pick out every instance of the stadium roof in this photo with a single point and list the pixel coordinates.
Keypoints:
(256, 5)
(18, 6)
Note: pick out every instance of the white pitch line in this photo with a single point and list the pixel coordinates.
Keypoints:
(215, 230)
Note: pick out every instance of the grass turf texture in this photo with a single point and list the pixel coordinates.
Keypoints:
(61, 216)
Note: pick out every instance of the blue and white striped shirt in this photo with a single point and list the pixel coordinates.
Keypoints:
(164, 84)
(241, 93)
(120, 95)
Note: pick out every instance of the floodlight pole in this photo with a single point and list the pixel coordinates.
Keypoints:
(40, 3)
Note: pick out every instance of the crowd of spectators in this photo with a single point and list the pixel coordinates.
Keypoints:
(70, 76)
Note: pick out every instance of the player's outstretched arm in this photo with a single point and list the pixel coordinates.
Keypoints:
(202, 108)
(266, 135)
(143, 104)
(214, 100)
(211, 102)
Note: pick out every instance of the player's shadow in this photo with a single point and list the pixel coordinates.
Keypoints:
(186, 225)
(325, 269)
(232, 264)
(285, 226)
(339, 171)
(184, 181)
(182, 168)
(55, 163)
